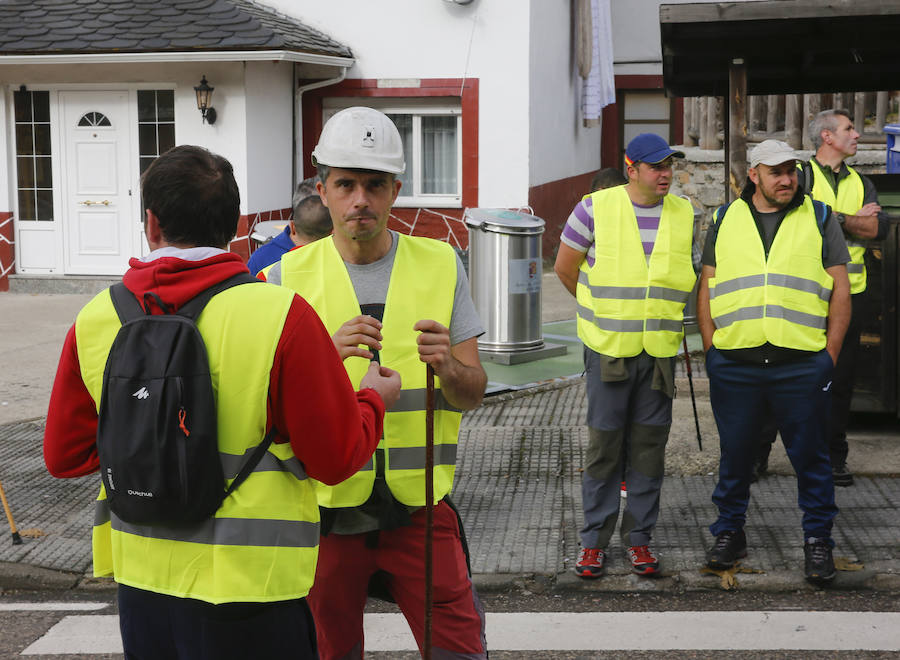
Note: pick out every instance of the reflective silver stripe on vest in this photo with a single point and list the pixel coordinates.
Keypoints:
(226, 531)
(413, 458)
(855, 268)
(654, 325)
(800, 318)
(633, 292)
(800, 284)
(861, 244)
(232, 464)
(615, 292)
(736, 284)
(414, 401)
(611, 325)
(772, 311)
(274, 274)
(101, 512)
(665, 293)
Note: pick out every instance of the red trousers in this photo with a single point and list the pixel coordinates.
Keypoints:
(338, 596)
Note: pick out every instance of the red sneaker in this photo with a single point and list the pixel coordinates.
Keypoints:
(643, 561)
(590, 563)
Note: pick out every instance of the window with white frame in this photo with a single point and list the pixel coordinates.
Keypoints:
(431, 129)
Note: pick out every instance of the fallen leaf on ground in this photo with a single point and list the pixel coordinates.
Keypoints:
(844, 564)
(727, 578)
(31, 533)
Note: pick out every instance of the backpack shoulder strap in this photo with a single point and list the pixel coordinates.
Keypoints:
(126, 305)
(195, 305)
(821, 209)
(255, 457)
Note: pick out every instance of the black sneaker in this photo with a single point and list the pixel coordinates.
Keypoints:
(819, 562)
(730, 546)
(842, 476)
(760, 469)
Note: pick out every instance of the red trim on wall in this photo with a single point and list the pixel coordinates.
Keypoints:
(554, 202)
(464, 89)
(7, 249)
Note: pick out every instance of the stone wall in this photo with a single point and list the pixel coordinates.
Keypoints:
(700, 175)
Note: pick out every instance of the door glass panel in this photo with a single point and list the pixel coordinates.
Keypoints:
(45, 205)
(26, 205)
(156, 124)
(42, 139)
(33, 155)
(439, 154)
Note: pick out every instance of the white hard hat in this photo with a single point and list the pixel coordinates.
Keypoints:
(360, 138)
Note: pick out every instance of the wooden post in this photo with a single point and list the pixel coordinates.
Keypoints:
(881, 109)
(703, 104)
(793, 117)
(736, 133)
(812, 104)
(772, 114)
(859, 112)
(756, 113)
(689, 112)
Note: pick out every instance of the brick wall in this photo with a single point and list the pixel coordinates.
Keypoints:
(7, 253)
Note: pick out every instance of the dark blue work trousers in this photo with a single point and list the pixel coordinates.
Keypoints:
(160, 627)
(799, 396)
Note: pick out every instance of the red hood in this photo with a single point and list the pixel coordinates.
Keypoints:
(177, 280)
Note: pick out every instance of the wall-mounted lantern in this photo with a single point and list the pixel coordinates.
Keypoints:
(204, 99)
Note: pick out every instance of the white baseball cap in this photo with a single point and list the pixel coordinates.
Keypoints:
(771, 153)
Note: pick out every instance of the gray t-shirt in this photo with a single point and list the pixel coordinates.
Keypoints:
(370, 282)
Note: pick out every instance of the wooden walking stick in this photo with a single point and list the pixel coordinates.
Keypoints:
(16, 539)
(429, 505)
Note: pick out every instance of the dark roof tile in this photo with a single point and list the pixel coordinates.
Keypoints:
(98, 26)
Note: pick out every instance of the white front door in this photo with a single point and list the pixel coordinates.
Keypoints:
(98, 223)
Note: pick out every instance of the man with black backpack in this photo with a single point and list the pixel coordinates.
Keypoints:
(773, 306)
(186, 353)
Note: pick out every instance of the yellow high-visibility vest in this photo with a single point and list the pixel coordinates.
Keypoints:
(262, 543)
(625, 304)
(849, 200)
(783, 301)
(422, 285)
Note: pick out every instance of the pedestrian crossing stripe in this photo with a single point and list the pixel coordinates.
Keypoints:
(570, 631)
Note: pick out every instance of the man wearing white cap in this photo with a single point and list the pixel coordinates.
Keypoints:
(773, 307)
(402, 301)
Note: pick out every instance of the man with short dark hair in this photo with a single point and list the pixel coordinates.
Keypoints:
(234, 585)
(608, 177)
(626, 257)
(309, 222)
(773, 306)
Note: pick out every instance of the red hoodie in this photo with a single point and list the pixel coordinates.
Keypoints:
(332, 429)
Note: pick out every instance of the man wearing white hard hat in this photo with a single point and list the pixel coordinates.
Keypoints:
(773, 307)
(403, 301)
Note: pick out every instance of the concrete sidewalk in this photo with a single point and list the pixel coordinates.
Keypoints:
(518, 484)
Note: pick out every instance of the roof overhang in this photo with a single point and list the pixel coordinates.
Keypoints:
(787, 46)
(182, 56)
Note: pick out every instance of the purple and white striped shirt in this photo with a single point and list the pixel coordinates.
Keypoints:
(578, 232)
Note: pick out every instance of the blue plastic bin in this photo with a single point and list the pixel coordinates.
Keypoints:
(893, 148)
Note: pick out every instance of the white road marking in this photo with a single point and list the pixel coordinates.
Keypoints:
(563, 631)
(51, 607)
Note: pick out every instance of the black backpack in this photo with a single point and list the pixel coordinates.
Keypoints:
(157, 438)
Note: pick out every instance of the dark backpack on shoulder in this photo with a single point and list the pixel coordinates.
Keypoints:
(157, 436)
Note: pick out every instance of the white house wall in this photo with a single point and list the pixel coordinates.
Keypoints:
(226, 137)
(487, 39)
(269, 146)
(560, 144)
